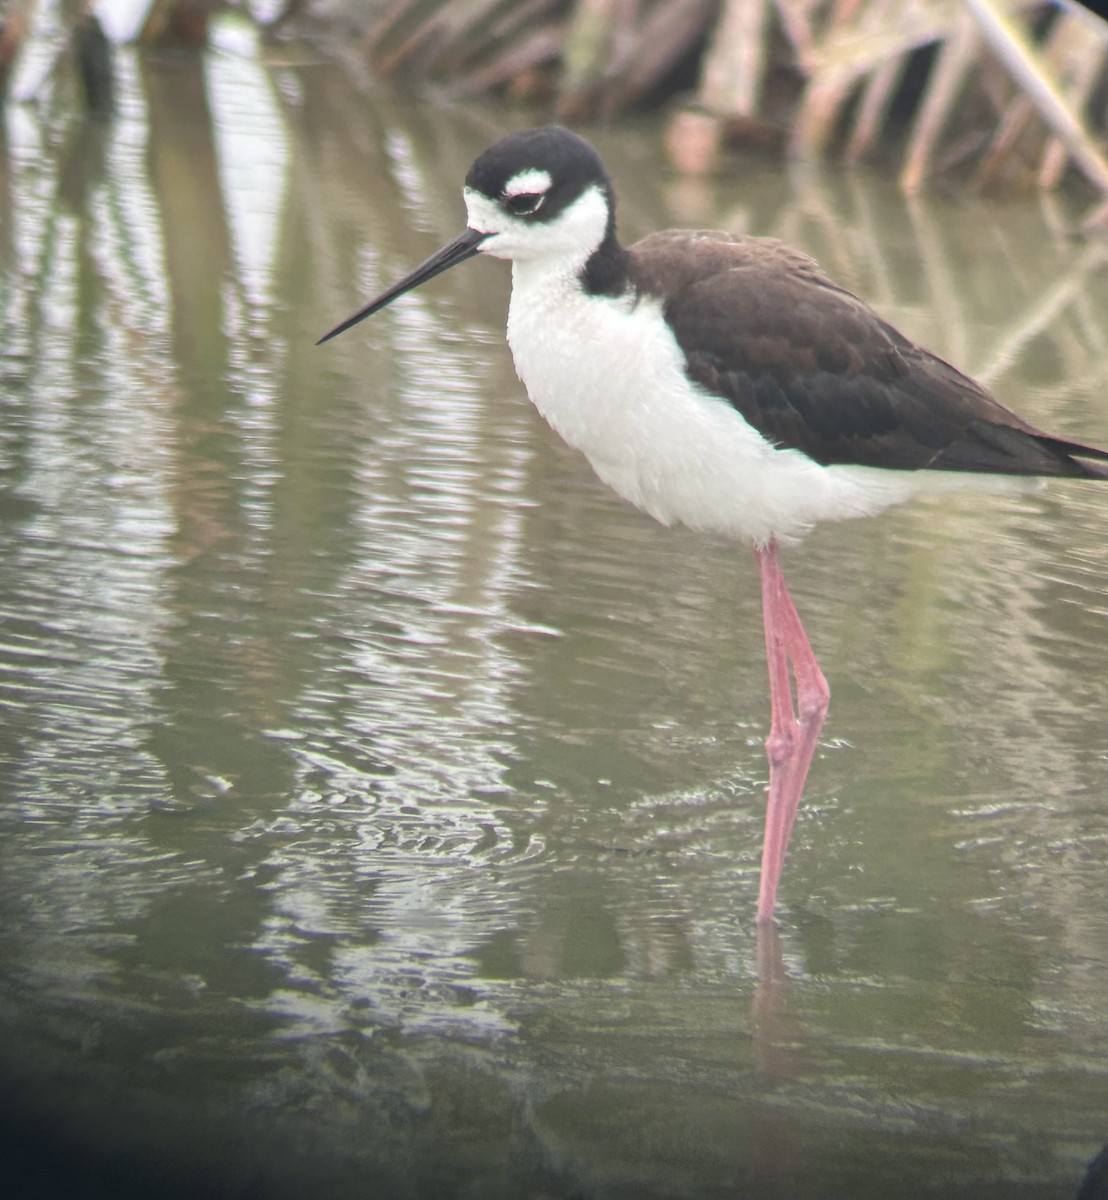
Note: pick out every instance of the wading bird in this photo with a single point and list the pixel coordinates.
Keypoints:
(724, 383)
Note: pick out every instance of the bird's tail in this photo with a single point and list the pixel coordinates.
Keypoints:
(1079, 455)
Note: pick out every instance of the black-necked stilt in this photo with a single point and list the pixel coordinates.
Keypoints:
(725, 383)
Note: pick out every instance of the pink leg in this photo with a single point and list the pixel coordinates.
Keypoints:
(792, 733)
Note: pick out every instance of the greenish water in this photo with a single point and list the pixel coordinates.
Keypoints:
(381, 797)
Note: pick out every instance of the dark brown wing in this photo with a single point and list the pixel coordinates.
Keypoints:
(813, 368)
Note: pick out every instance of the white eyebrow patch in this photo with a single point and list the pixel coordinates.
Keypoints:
(531, 182)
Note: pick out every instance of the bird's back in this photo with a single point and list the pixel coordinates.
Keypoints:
(813, 368)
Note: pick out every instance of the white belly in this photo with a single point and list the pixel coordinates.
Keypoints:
(609, 377)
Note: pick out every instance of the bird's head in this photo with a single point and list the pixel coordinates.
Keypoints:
(538, 196)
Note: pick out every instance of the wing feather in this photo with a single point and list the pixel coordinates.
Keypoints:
(814, 368)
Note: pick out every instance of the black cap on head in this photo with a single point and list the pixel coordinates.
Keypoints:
(572, 164)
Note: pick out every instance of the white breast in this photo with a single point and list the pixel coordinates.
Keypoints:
(609, 377)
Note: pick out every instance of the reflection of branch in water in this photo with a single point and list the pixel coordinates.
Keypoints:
(945, 297)
(815, 205)
(851, 243)
(1045, 309)
(868, 241)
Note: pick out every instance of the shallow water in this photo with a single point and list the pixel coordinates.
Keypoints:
(382, 797)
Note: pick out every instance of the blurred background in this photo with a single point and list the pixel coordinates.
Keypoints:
(381, 797)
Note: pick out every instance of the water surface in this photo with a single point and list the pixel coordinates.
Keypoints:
(381, 797)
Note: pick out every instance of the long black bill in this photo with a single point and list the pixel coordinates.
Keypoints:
(458, 251)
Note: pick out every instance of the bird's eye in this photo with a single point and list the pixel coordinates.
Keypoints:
(525, 203)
